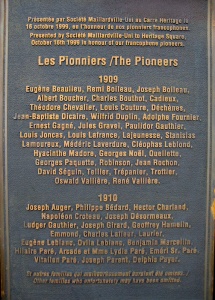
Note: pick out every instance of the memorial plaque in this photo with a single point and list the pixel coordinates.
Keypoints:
(107, 149)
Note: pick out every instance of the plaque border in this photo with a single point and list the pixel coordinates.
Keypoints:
(209, 230)
(210, 193)
(5, 172)
(2, 204)
(211, 164)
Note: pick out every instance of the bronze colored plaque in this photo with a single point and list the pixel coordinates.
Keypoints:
(107, 149)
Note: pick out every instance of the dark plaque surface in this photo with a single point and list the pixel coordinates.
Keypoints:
(107, 149)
